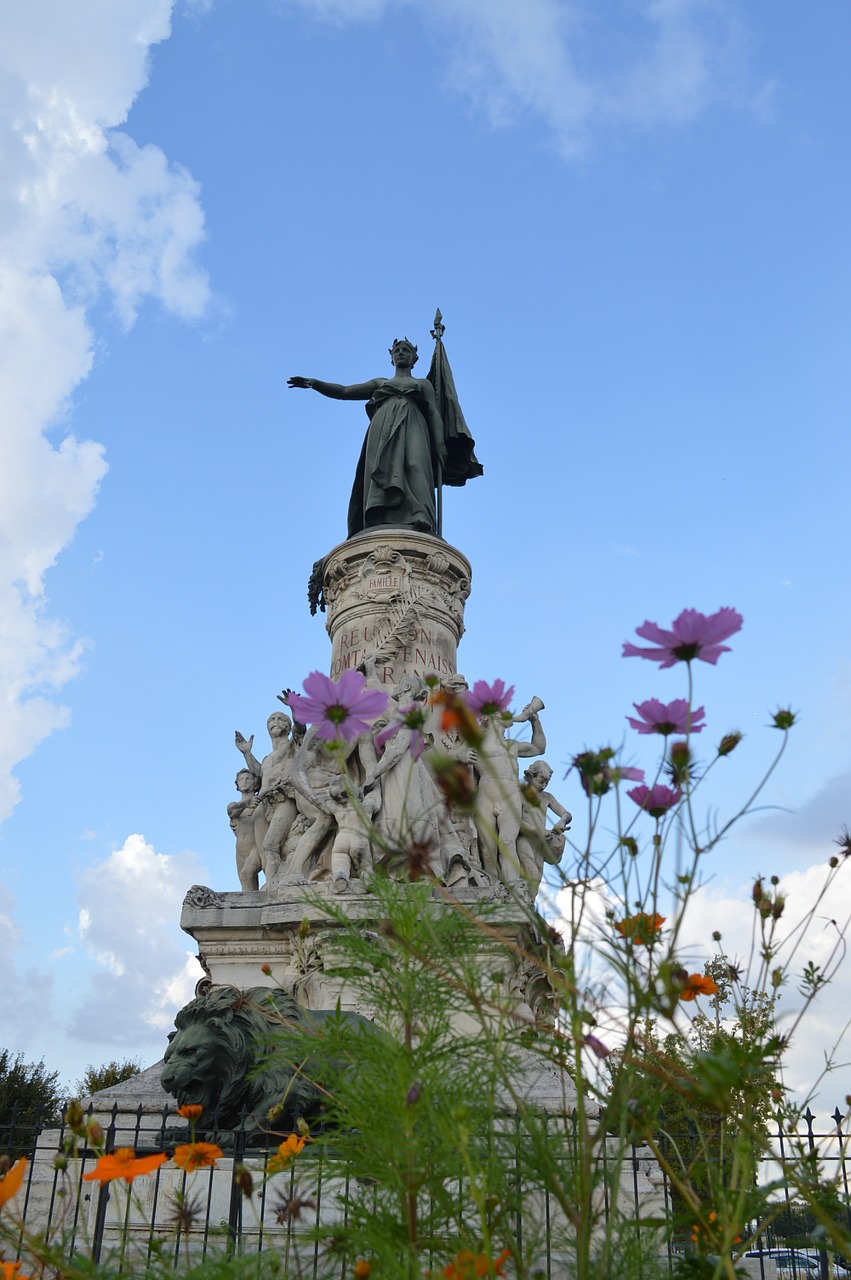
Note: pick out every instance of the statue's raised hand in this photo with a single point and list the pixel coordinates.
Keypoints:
(241, 743)
(305, 384)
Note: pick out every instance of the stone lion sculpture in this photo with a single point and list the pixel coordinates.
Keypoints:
(229, 1053)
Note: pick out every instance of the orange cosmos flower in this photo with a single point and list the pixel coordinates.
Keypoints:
(10, 1182)
(695, 984)
(286, 1153)
(456, 714)
(641, 927)
(12, 1271)
(471, 1266)
(123, 1164)
(196, 1155)
(190, 1110)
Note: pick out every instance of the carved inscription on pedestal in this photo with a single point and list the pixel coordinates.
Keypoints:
(395, 606)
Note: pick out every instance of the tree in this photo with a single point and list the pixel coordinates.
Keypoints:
(30, 1096)
(105, 1076)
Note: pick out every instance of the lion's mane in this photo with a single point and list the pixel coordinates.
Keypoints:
(245, 1072)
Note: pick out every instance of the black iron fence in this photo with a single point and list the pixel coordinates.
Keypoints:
(170, 1212)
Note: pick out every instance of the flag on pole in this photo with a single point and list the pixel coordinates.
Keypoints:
(461, 461)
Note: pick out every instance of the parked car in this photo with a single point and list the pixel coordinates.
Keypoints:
(792, 1264)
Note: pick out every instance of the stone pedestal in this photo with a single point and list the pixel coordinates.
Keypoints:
(395, 605)
(238, 934)
(287, 941)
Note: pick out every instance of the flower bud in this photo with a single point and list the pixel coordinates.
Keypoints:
(756, 892)
(243, 1180)
(779, 904)
(783, 719)
(630, 844)
(302, 1126)
(596, 1046)
(729, 742)
(679, 763)
(531, 795)
(594, 769)
(716, 937)
(267, 969)
(304, 928)
(60, 1162)
(75, 1118)
(94, 1133)
(455, 780)
(362, 1269)
(833, 862)
(413, 1094)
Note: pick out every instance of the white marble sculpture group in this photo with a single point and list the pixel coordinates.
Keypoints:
(304, 814)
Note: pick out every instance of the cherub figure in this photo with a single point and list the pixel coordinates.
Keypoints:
(242, 815)
(275, 815)
(537, 843)
(498, 811)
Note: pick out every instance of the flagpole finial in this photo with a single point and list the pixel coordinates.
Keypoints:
(439, 327)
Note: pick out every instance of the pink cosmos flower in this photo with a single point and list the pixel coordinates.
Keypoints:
(692, 635)
(665, 718)
(338, 708)
(626, 773)
(489, 699)
(655, 800)
(412, 717)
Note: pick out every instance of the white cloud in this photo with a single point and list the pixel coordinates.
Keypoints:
(85, 214)
(666, 61)
(812, 828)
(129, 907)
(26, 991)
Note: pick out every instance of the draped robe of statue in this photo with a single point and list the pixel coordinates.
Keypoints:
(395, 477)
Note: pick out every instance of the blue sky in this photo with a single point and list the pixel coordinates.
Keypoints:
(635, 219)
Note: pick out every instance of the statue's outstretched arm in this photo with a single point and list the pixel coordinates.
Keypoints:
(335, 390)
(244, 745)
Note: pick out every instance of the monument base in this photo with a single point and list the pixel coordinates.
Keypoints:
(289, 940)
(395, 605)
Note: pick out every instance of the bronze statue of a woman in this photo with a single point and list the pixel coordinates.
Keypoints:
(407, 452)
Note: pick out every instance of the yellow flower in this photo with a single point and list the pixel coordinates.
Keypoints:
(190, 1111)
(197, 1155)
(286, 1153)
(123, 1164)
(10, 1183)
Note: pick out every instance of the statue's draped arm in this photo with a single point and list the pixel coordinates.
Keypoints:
(357, 390)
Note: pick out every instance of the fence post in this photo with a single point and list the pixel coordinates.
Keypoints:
(235, 1208)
